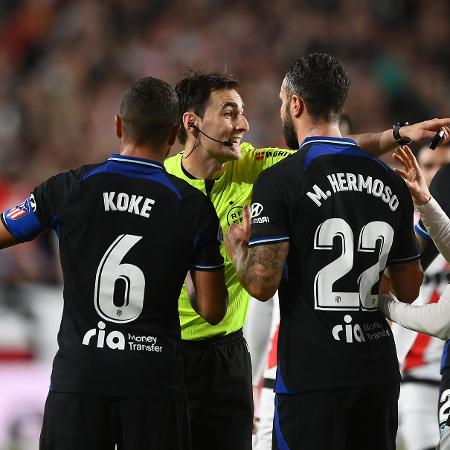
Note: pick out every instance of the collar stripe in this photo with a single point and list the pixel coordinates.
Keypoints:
(329, 141)
(142, 163)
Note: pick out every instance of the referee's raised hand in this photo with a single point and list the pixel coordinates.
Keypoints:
(238, 235)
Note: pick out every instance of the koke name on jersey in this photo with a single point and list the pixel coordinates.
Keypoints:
(135, 204)
(340, 182)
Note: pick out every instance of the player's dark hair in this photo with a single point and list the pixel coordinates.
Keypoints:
(194, 91)
(149, 111)
(322, 82)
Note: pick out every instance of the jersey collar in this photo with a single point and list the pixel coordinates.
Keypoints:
(133, 160)
(328, 140)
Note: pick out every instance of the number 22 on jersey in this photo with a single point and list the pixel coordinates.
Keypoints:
(324, 296)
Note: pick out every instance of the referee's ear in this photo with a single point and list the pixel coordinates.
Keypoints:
(118, 123)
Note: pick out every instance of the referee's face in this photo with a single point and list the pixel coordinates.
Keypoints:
(224, 120)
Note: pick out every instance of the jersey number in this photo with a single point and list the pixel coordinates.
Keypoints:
(119, 288)
(444, 407)
(325, 297)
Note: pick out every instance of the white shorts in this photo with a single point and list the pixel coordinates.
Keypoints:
(263, 438)
(417, 410)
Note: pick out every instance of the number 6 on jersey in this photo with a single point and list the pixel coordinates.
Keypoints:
(119, 288)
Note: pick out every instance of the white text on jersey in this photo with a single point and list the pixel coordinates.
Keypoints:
(123, 202)
(340, 182)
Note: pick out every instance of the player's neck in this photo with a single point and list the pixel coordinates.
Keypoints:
(318, 129)
(201, 165)
(143, 152)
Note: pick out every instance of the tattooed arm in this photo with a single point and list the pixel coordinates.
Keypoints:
(258, 268)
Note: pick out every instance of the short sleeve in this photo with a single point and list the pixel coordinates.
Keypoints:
(31, 217)
(269, 211)
(208, 238)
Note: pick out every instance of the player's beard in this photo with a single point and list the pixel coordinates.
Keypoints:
(290, 135)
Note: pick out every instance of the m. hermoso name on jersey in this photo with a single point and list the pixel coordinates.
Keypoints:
(340, 182)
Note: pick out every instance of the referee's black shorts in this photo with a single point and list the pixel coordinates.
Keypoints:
(339, 419)
(94, 422)
(219, 392)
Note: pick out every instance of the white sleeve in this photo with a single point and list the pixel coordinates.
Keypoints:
(432, 319)
(438, 225)
(403, 337)
(258, 329)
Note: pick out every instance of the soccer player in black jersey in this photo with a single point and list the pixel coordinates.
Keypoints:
(128, 234)
(440, 190)
(216, 359)
(326, 223)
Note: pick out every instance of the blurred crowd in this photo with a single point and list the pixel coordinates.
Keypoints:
(64, 65)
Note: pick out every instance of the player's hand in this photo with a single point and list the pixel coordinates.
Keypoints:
(238, 235)
(426, 130)
(412, 175)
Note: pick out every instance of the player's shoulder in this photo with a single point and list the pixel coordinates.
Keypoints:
(173, 163)
(442, 178)
(440, 188)
(293, 163)
(69, 178)
(259, 155)
(185, 190)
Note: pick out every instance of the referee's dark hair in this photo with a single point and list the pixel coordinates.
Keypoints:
(149, 111)
(194, 90)
(322, 82)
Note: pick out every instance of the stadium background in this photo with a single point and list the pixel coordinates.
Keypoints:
(64, 65)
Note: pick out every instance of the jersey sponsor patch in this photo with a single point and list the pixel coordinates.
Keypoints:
(257, 209)
(260, 156)
(22, 209)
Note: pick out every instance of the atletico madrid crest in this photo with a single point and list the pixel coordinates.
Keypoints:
(22, 209)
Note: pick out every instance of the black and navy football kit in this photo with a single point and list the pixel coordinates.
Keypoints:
(440, 190)
(346, 216)
(128, 233)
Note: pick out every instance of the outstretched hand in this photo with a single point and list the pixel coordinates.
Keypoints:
(426, 130)
(238, 235)
(412, 175)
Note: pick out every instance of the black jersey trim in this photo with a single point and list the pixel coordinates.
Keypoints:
(444, 362)
(268, 240)
(113, 166)
(397, 261)
(207, 268)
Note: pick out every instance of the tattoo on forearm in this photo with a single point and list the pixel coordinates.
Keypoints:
(264, 266)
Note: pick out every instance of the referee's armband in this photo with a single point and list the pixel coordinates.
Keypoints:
(22, 221)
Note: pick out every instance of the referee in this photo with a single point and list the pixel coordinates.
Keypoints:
(128, 234)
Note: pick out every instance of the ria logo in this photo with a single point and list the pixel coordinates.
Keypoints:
(350, 331)
(114, 339)
(257, 209)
